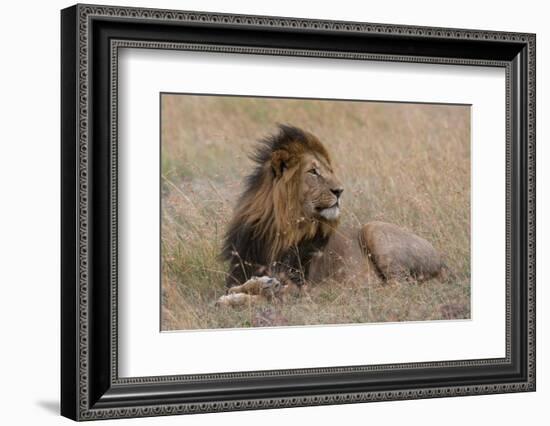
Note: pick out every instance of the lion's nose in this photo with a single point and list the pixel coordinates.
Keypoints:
(337, 191)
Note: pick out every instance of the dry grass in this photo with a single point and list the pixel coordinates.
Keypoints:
(407, 164)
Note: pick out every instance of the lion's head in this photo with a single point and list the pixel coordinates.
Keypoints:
(291, 198)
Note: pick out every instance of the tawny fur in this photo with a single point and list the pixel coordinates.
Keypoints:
(400, 254)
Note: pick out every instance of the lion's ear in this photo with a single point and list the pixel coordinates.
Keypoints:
(279, 162)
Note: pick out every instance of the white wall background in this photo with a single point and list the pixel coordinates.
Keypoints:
(29, 213)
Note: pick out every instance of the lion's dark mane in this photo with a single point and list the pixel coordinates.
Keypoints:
(249, 251)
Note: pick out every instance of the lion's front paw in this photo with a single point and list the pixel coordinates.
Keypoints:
(234, 300)
(255, 290)
(259, 286)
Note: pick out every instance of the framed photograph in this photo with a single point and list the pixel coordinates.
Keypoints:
(263, 212)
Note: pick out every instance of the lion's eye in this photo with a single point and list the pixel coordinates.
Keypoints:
(313, 172)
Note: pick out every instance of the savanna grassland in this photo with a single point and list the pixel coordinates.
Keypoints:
(408, 164)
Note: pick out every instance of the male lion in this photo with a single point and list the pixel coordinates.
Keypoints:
(284, 232)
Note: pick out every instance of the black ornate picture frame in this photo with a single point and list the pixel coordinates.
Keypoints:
(90, 385)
